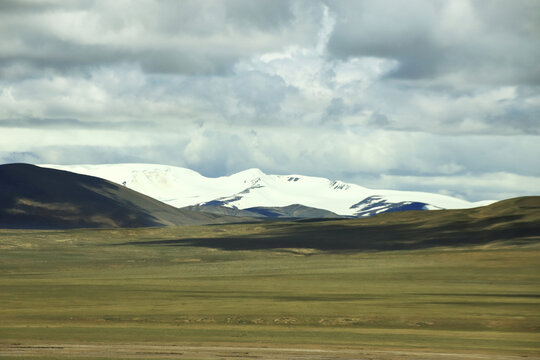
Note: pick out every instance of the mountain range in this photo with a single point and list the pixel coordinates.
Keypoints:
(256, 194)
(34, 197)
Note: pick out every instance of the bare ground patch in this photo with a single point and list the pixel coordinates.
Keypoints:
(144, 351)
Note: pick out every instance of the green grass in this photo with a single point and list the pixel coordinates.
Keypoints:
(82, 286)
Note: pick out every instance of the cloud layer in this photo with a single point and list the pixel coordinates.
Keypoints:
(424, 95)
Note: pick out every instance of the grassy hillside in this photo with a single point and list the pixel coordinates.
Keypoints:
(513, 221)
(290, 212)
(293, 211)
(184, 285)
(34, 197)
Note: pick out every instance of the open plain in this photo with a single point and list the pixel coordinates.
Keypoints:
(238, 291)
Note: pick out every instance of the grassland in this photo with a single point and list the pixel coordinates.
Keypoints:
(202, 286)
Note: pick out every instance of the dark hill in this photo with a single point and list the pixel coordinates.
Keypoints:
(295, 211)
(35, 197)
(510, 222)
(289, 212)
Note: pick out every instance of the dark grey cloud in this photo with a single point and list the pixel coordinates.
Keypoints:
(261, 93)
(379, 120)
(483, 41)
(335, 110)
(189, 37)
(265, 15)
(526, 119)
(45, 53)
(17, 7)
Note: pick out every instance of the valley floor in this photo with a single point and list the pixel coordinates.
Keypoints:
(137, 351)
(147, 294)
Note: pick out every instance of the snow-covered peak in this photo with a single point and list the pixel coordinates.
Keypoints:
(253, 188)
(249, 174)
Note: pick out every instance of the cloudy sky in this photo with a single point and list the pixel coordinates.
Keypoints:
(440, 96)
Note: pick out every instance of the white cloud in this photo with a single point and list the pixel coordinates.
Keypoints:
(475, 187)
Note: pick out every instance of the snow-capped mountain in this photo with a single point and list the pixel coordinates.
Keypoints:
(252, 188)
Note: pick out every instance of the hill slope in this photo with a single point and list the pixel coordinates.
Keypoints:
(290, 212)
(512, 222)
(252, 188)
(35, 197)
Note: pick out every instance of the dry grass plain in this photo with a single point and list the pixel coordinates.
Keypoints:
(201, 293)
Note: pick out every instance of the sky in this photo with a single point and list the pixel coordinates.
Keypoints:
(427, 95)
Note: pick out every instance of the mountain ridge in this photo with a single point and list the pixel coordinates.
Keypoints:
(182, 187)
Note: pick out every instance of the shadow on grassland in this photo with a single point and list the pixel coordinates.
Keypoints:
(359, 236)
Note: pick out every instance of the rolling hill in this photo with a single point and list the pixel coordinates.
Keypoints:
(295, 211)
(35, 197)
(512, 222)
